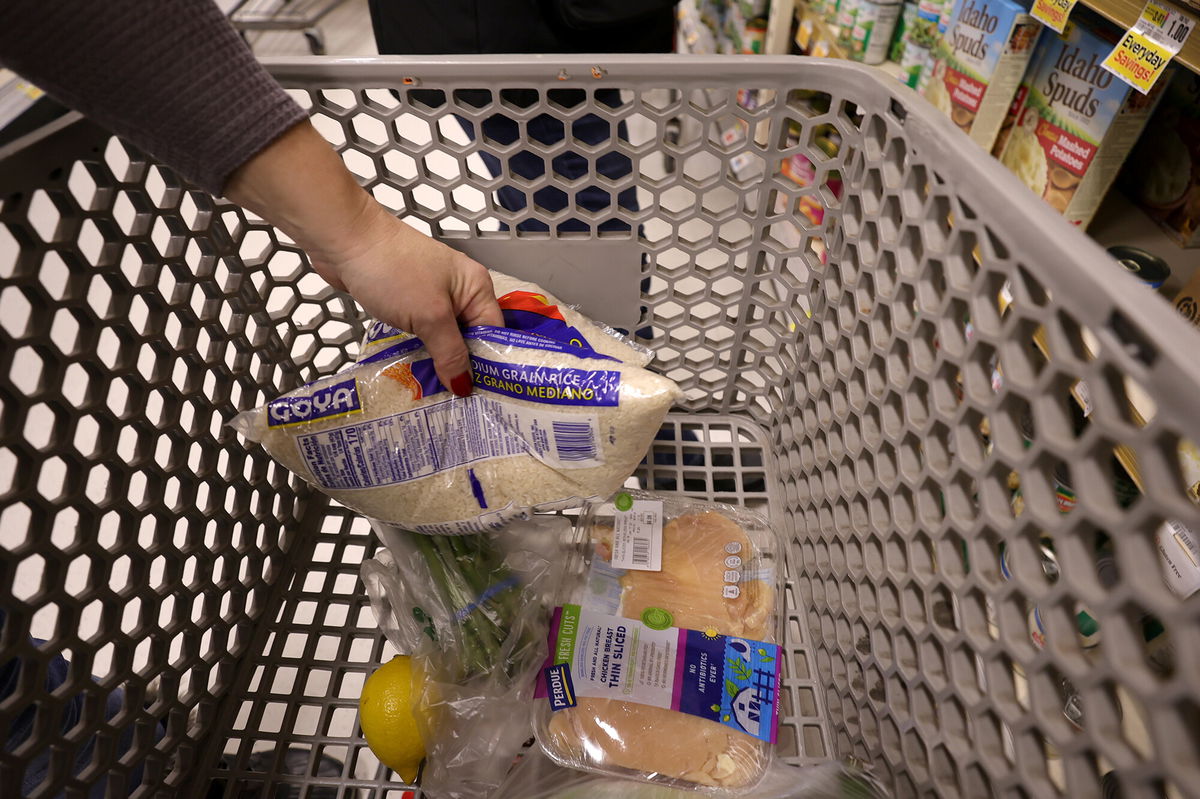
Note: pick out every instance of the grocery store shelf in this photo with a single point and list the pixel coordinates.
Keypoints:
(814, 36)
(1119, 221)
(1126, 12)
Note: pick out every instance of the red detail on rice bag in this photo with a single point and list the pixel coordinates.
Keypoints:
(964, 90)
(528, 301)
(1070, 152)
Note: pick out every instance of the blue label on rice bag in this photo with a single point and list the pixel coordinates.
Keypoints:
(397, 350)
(378, 331)
(532, 341)
(548, 385)
(327, 402)
(549, 335)
(548, 326)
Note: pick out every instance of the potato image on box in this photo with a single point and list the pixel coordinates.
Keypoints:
(980, 62)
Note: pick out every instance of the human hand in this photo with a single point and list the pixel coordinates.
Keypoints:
(417, 284)
(400, 276)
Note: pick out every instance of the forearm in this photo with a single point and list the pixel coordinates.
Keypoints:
(171, 76)
(299, 184)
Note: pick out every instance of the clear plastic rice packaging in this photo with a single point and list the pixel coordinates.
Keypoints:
(549, 425)
(530, 308)
(664, 652)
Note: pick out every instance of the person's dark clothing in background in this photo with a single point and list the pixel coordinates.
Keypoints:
(427, 27)
(456, 27)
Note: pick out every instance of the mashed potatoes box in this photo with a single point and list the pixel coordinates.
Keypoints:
(979, 64)
(1074, 122)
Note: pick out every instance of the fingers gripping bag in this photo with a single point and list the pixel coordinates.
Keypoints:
(547, 426)
(664, 662)
(530, 308)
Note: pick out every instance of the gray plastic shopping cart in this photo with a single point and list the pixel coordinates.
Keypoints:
(284, 15)
(881, 336)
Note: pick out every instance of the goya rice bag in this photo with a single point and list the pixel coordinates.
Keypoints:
(548, 425)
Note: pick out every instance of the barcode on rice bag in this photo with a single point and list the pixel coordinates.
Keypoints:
(574, 441)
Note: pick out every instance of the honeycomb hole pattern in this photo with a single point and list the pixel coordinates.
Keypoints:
(897, 383)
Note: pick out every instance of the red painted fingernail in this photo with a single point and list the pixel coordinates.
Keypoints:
(461, 385)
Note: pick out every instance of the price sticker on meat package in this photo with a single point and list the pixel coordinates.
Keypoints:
(637, 534)
(1142, 54)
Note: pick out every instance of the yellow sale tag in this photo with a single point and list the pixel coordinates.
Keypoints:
(1145, 50)
(1053, 13)
(820, 49)
(1138, 61)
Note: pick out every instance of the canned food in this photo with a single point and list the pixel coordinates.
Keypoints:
(846, 16)
(1086, 627)
(872, 33)
(1146, 267)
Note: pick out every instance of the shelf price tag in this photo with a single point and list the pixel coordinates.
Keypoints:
(820, 49)
(1142, 54)
(1053, 13)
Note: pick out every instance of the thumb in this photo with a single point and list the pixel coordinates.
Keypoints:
(445, 344)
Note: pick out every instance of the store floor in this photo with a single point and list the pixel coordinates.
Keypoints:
(346, 30)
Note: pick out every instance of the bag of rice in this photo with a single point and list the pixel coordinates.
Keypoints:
(527, 306)
(548, 426)
(663, 663)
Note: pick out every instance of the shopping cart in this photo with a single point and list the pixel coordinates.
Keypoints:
(284, 15)
(880, 402)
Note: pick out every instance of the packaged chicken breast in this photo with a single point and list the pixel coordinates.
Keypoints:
(664, 657)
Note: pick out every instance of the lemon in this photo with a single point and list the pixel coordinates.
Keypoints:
(385, 711)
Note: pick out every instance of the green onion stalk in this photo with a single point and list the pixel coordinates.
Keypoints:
(484, 598)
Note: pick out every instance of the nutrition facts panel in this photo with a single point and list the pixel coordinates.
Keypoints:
(407, 446)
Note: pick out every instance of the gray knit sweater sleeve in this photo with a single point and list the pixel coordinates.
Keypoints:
(171, 76)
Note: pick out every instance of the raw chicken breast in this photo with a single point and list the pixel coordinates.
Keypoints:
(653, 740)
(693, 577)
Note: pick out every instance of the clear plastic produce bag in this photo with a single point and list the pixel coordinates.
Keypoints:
(474, 611)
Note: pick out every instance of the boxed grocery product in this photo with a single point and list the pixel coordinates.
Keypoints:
(663, 662)
(979, 63)
(1163, 173)
(1018, 100)
(1076, 122)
